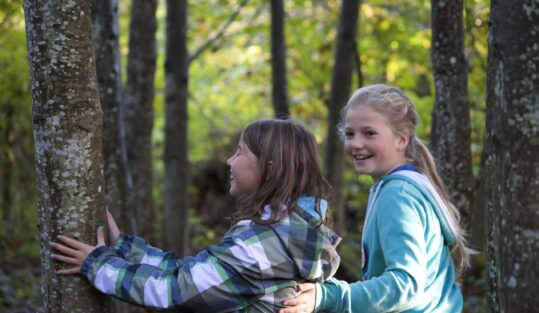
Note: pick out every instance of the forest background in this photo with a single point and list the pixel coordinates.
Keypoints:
(230, 85)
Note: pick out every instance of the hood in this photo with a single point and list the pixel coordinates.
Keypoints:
(310, 244)
(423, 184)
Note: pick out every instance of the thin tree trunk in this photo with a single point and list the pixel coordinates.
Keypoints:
(512, 165)
(340, 91)
(108, 68)
(278, 60)
(478, 218)
(107, 52)
(450, 138)
(67, 122)
(176, 161)
(6, 164)
(138, 113)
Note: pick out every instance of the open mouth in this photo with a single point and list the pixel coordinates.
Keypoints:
(361, 157)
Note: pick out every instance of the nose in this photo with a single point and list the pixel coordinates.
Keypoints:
(354, 142)
(229, 161)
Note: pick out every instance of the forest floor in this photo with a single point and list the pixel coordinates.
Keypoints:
(20, 286)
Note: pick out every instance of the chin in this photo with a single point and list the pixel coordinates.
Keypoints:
(361, 171)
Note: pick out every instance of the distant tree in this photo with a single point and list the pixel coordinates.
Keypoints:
(278, 60)
(108, 68)
(512, 163)
(477, 63)
(450, 138)
(7, 161)
(116, 171)
(176, 161)
(341, 82)
(67, 122)
(138, 113)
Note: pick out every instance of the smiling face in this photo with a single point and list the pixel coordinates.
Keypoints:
(245, 176)
(371, 143)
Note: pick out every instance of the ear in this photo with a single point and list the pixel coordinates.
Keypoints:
(402, 141)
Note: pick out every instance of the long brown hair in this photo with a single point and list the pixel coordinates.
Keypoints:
(289, 166)
(401, 113)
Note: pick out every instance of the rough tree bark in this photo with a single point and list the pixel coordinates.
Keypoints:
(341, 82)
(450, 138)
(513, 147)
(278, 61)
(67, 122)
(138, 113)
(176, 161)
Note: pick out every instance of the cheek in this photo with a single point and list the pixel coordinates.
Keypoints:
(347, 147)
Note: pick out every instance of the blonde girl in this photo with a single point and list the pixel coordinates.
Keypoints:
(413, 246)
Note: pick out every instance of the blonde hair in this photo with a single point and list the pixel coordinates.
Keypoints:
(402, 115)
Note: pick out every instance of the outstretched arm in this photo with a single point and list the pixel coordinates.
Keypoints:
(215, 280)
(136, 250)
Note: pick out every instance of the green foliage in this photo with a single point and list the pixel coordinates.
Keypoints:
(18, 202)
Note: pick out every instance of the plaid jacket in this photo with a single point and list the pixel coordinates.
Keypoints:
(253, 269)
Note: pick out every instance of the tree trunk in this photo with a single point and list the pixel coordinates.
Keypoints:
(138, 113)
(450, 138)
(278, 60)
(108, 68)
(6, 179)
(67, 122)
(340, 91)
(513, 144)
(478, 218)
(176, 162)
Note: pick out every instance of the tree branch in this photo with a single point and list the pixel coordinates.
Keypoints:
(218, 34)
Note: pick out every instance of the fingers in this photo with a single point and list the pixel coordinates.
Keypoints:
(73, 252)
(69, 271)
(110, 222)
(304, 302)
(305, 286)
(100, 236)
(68, 256)
(73, 243)
(65, 250)
(114, 231)
(292, 310)
(65, 259)
(292, 302)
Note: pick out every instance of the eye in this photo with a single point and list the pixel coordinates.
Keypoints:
(370, 133)
(238, 151)
(348, 134)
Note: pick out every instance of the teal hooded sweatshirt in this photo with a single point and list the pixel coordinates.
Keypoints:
(407, 265)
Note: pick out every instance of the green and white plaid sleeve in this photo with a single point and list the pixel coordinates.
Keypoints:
(136, 250)
(222, 278)
(253, 268)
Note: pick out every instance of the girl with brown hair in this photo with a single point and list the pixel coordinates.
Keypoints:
(278, 237)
